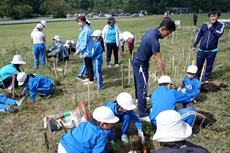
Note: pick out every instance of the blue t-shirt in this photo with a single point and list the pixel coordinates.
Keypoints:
(85, 138)
(111, 35)
(8, 70)
(149, 45)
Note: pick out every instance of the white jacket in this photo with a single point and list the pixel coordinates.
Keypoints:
(118, 34)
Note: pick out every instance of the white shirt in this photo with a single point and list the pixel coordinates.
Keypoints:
(37, 37)
(126, 35)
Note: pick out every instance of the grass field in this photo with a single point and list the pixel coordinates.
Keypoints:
(22, 132)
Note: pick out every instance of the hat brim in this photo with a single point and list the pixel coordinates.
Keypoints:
(21, 62)
(20, 83)
(112, 120)
(170, 136)
(112, 21)
(130, 107)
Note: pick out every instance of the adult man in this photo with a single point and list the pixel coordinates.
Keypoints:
(164, 98)
(149, 46)
(210, 32)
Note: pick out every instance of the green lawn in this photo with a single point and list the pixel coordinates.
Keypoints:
(23, 131)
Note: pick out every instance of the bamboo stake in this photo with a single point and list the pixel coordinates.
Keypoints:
(65, 67)
(51, 137)
(55, 70)
(172, 38)
(183, 52)
(202, 70)
(98, 83)
(173, 64)
(185, 62)
(75, 92)
(129, 71)
(88, 98)
(46, 141)
(122, 74)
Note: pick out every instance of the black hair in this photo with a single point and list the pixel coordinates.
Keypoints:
(31, 75)
(176, 144)
(163, 84)
(17, 67)
(102, 43)
(214, 11)
(81, 18)
(168, 24)
(94, 121)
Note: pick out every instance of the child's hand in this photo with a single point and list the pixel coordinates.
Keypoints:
(141, 136)
(21, 95)
(29, 102)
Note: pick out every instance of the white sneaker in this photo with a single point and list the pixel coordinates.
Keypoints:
(86, 80)
(89, 82)
(109, 65)
(147, 119)
(116, 65)
(124, 139)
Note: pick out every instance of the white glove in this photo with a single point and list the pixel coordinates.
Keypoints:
(77, 53)
(179, 89)
(85, 55)
(141, 135)
(183, 90)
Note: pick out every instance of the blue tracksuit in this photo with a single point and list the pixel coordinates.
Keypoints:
(6, 72)
(38, 85)
(5, 103)
(86, 138)
(149, 45)
(208, 47)
(60, 51)
(165, 99)
(192, 87)
(96, 55)
(125, 118)
(39, 50)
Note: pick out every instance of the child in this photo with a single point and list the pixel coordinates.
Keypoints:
(123, 109)
(96, 55)
(190, 85)
(35, 85)
(89, 136)
(38, 39)
(209, 34)
(8, 74)
(61, 51)
(172, 133)
(129, 38)
(8, 104)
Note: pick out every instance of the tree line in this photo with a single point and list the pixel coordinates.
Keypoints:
(18, 9)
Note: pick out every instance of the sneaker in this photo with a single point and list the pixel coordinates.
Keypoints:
(12, 109)
(89, 82)
(108, 65)
(147, 119)
(206, 81)
(86, 80)
(116, 65)
(124, 139)
(80, 77)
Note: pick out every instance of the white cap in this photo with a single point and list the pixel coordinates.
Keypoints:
(170, 127)
(43, 22)
(164, 79)
(39, 25)
(57, 37)
(72, 42)
(192, 69)
(17, 60)
(125, 100)
(104, 114)
(97, 33)
(21, 77)
(67, 41)
(88, 21)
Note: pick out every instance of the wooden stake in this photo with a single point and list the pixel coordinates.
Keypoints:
(122, 74)
(172, 38)
(65, 67)
(75, 92)
(55, 70)
(202, 71)
(46, 141)
(185, 62)
(129, 71)
(88, 98)
(173, 64)
(51, 137)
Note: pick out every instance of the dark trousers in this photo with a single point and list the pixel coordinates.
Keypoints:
(112, 47)
(7, 82)
(210, 58)
(89, 66)
(140, 70)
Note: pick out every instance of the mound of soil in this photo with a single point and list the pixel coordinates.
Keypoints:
(209, 87)
(204, 119)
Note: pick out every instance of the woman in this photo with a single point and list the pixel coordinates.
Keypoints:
(111, 35)
(8, 73)
(35, 85)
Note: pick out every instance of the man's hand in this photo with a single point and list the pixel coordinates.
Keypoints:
(210, 24)
(193, 49)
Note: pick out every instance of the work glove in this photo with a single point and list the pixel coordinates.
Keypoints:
(85, 55)
(29, 102)
(76, 53)
(141, 137)
(21, 95)
(122, 54)
(179, 89)
(48, 51)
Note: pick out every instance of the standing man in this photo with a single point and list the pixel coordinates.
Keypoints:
(195, 19)
(210, 32)
(149, 46)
